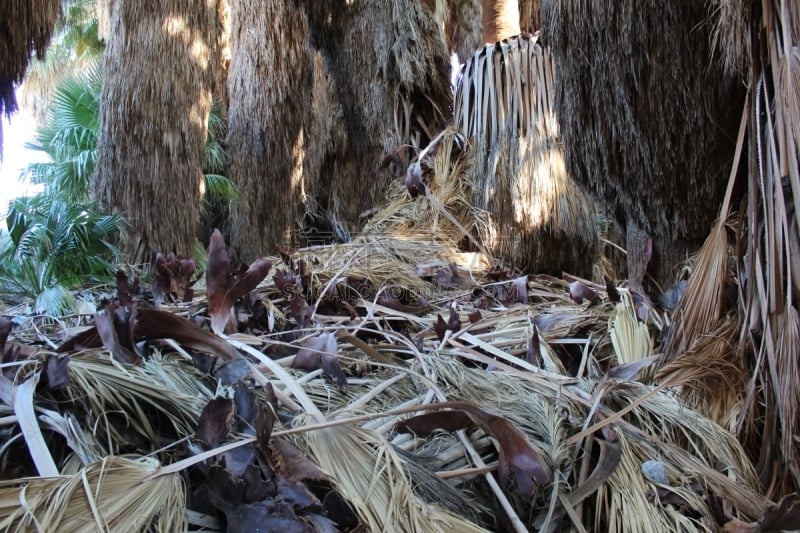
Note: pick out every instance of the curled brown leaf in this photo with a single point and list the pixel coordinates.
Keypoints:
(223, 288)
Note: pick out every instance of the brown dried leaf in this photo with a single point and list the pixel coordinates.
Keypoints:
(157, 324)
(516, 456)
(173, 277)
(223, 288)
(246, 404)
(57, 373)
(215, 421)
(426, 423)
(309, 357)
(297, 495)
(333, 371)
(784, 516)
(5, 331)
(264, 420)
(610, 456)
(126, 289)
(294, 464)
(579, 292)
(104, 322)
(475, 316)
(440, 327)
(630, 371)
(414, 182)
(454, 322)
(611, 289)
(232, 372)
(534, 354)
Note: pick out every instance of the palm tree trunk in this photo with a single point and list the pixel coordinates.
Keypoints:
(646, 116)
(269, 86)
(153, 118)
(500, 20)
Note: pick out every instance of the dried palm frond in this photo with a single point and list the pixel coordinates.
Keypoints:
(731, 35)
(660, 428)
(141, 399)
(700, 307)
(25, 29)
(422, 219)
(630, 337)
(539, 218)
(463, 27)
(711, 375)
(652, 130)
(768, 276)
(113, 494)
(370, 475)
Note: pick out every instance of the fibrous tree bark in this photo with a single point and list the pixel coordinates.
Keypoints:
(646, 118)
(155, 104)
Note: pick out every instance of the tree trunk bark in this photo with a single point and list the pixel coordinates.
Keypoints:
(269, 85)
(153, 119)
(500, 20)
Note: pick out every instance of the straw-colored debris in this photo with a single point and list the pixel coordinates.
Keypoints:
(592, 432)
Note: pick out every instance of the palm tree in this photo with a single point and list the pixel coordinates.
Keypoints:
(76, 45)
(313, 113)
(646, 119)
(25, 29)
(153, 121)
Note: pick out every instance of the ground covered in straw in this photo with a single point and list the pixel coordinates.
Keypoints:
(388, 384)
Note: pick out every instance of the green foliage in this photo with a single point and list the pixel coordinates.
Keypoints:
(75, 45)
(53, 244)
(69, 137)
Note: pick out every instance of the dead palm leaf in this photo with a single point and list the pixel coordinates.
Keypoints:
(112, 494)
(370, 475)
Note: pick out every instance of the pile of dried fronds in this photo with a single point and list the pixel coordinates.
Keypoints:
(393, 384)
(755, 364)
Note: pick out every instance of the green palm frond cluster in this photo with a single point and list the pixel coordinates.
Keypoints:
(69, 137)
(54, 244)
